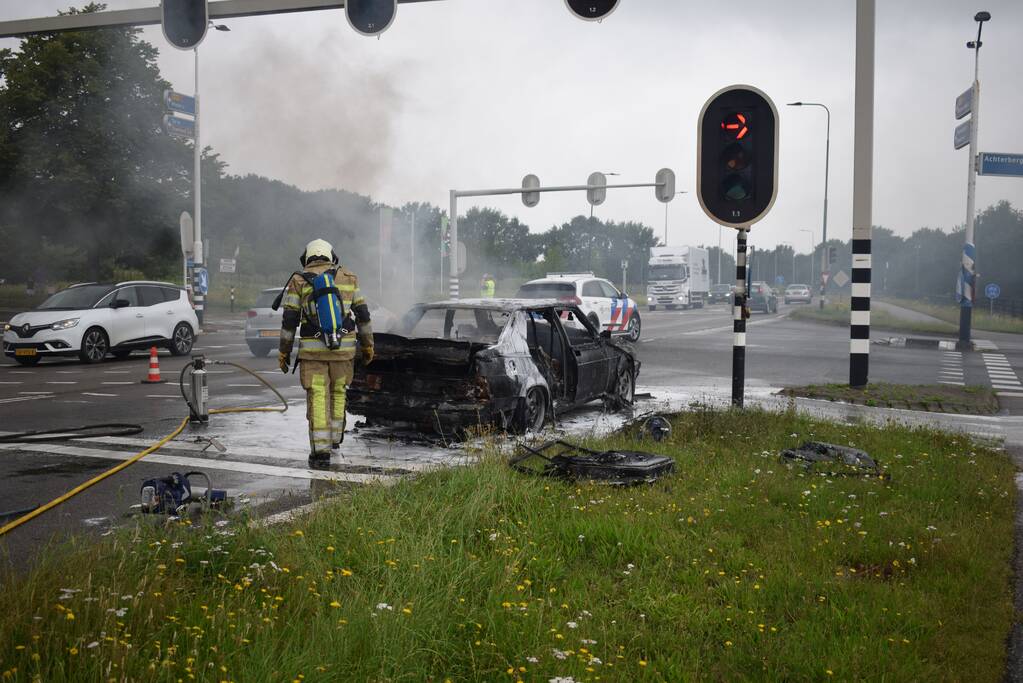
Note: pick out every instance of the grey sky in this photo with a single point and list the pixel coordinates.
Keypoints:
(477, 93)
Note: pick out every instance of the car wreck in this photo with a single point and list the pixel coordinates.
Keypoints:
(511, 363)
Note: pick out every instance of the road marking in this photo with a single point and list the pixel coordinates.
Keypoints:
(160, 396)
(62, 382)
(958, 384)
(69, 372)
(11, 382)
(89, 393)
(244, 385)
(985, 344)
(36, 393)
(116, 372)
(1013, 394)
(202, 463)
(1006, 385)
(119, 383)
(16, 399)
(651, 339)
(22, 372)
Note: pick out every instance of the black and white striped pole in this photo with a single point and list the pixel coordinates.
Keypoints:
(736, 183)
(863, 160)
(739, 320)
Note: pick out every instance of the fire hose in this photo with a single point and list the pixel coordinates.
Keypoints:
(90, 431)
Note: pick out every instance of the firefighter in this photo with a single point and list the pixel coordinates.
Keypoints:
(488, 286)
(325, 373)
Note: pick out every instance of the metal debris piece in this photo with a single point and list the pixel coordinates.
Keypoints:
(852, 461)
(617, 468)
(656, 427)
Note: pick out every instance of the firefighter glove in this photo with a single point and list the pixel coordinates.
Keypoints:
(367, 355)
(283, 360)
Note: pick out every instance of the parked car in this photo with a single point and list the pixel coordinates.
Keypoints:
(720, 294)
(511, 363)
(605, 306)
(263, 323)
(92, 320)
(762, 298)
(798, 294)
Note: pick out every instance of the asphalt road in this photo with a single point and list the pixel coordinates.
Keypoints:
(683, 352)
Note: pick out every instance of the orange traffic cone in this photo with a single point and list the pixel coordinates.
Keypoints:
(154, 369)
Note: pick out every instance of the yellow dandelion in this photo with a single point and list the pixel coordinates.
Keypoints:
(335, 604)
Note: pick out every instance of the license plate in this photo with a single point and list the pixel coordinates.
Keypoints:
(25, 352)
(269, 333)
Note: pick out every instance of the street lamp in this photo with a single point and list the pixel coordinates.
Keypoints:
(812, 249)
(827, 161)
(666, 219)
(200, 257)
(605, 173)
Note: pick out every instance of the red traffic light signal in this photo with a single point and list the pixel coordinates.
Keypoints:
(737, 156)
(184, 22)
(591, 10)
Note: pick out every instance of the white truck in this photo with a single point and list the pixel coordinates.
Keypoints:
(677, 277)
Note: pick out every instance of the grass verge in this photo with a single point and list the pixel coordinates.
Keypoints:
(734, 568)
(939, 398)
(837, 313)
(981, 318)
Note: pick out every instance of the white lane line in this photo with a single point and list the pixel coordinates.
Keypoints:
(11, 382)
(119, 383)
(245, 385)
(1001, 373)
(116, 372)
(160, 396)
(651, 339)
(1013, 394)
(69, 372)
(36, 393)
(62, 382)
(16, 399)
(90, 393)
(220, 372)
(21, 372)
(202, 463)
(958, 384)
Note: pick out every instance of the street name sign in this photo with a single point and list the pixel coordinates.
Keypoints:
(964, 104)
(179, 127)
(175, 101)
(993, 163)
(962, 134)
(992, 291)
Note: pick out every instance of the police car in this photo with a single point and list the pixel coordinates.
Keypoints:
(605, 306)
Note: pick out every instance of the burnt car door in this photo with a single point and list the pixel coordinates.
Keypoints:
(588, 356)
(549, 349)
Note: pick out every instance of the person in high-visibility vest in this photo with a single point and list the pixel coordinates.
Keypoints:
(325, 372)
(488, 286)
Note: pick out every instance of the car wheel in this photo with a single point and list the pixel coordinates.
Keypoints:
(95, 345)
(260, 350)
(633, 328)
(121, 354)
(182, 340)
(534, 410)
(625, 388)
(27, 361)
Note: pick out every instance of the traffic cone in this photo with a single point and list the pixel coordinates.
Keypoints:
(154, 369)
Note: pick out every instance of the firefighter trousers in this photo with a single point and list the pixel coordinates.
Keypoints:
(326, 385)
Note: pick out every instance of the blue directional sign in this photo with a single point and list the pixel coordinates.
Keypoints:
(175, 101)
(992, 291)
(202, 281)
(993, 163)
(179, 127)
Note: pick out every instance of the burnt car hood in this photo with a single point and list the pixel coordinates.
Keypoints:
(394, 347)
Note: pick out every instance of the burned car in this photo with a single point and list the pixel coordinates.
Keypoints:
(511, 363)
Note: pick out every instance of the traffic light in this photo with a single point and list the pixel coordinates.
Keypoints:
(737, 156)
(371, 17)
(598, 194)
(591, 10)
(832, 255)
(184, 22)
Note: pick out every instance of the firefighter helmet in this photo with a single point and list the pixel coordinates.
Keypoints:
(318, 249)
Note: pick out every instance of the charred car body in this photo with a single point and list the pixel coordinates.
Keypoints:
(512, 363)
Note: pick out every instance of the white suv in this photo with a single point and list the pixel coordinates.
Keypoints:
(91, 320)
(606, 307)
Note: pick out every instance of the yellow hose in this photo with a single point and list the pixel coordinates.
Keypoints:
(138, 456)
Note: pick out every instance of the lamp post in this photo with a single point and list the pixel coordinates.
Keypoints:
(666, 220)
(197, 249)
(827, 162)
(969, 249)
(605, 173)
(812, 249)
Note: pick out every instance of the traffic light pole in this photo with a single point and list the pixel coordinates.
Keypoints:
(739, 320)
(863, 171)
(969, 247)
(199, 257)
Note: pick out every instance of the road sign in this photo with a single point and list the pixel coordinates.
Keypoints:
(187, 233)
(530, 198)
(962, 134)
(175, 101)
(227, 265)
(202, 281)
(779, 279)
(179, 127)
(993, 163)
(840, 279)
(992, 291)
(964, 103)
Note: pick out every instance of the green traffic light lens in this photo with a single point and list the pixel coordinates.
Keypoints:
(735, 188)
